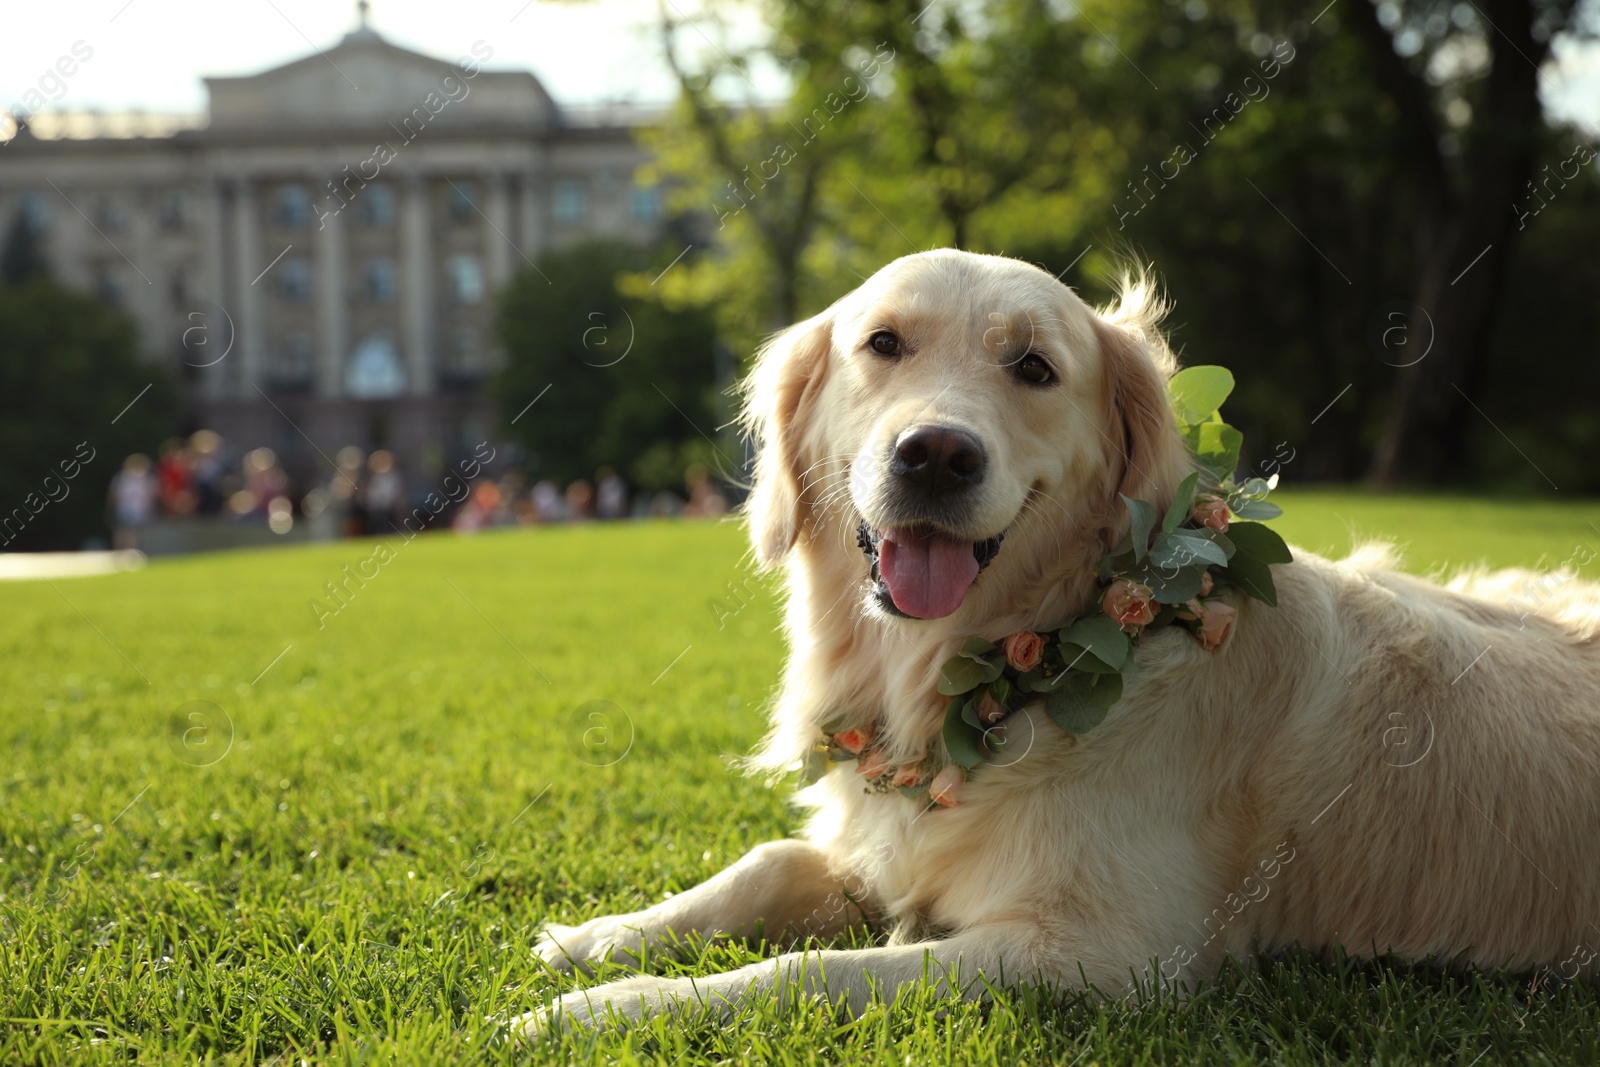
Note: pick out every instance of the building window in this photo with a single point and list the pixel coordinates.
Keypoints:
(292, 361)
(380, 280)
(292, 209)
(294, 280)
(109, 215)
(466, 279)
(645, 204)
(572, 201)
(377, 205)
(464, 349)
(374, 371)
(106, 286)
(463, 200)
(174, 210)
(31, 206)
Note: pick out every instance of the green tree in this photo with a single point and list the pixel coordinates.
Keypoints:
(619, 380)
(69, 371)
(1294, 173)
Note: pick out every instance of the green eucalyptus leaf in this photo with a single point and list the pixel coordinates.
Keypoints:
(1182, 504)
(1254, 539)
(1253, 577)
(961, 740)
(816, 765)
(1253, 489)
(1257, 509)
(1173, 585)
(1073, 707)
(1052, 683)
(1106, 691)
(1220, 540)
(1197, 392)
(977, 648)
(1002, 690)
(960, 675)
(1027, 681)
(1142, 519)
(1101, 636)
(1079, 658)
(969, 710)
(1189, 546)
(1218, 447)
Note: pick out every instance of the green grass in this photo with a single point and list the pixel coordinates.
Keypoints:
(345, 859)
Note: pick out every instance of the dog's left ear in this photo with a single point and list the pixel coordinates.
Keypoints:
(1138, 364)
(780, 396)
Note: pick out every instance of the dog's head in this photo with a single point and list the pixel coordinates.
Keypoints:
(958, 411)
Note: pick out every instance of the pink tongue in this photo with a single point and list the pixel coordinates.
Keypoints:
(928, 575)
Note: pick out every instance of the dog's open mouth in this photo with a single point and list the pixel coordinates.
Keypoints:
(920, 572)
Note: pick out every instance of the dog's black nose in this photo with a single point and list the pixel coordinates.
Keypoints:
(939, 459)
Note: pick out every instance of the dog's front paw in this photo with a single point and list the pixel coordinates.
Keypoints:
(608, 939)
(615, 1004)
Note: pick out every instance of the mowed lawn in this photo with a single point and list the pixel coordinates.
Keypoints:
(235, 829)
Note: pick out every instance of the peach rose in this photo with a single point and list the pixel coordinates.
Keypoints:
(1211, 511)
(945, 789)
(1129, 603)
(1216, 622)
(1190, 610)
(1024, 650)
(873, 765)
(1206, 584)
(990, 710)
(853, 741)
(910, 774)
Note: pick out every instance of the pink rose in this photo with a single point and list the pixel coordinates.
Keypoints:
(873, 765)
(1129, 603)
(1024, 650)
(910, 774)
(1190, 610)
(1216, 622)
(945, 789)
(1206, 584)
(1211, 511)
(853, 741)
(990, 710)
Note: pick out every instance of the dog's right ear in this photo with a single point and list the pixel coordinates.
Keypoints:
(779, 399)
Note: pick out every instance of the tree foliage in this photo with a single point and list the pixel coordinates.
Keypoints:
(73, 403)
(614, 377)
(1311, 182)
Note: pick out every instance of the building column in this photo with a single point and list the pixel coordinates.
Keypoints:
(155, 294)
(498, 235)
(68, 239)
(247, 356)
(209, 317)
(329, 273)
(417, 278)
(532, 210)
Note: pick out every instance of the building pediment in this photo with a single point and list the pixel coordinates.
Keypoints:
(365, 81)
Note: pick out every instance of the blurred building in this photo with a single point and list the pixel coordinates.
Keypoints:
(329, 235)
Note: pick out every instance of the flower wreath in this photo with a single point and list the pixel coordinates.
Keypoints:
(1170, 573)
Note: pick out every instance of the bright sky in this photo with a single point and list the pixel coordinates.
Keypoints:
(151, 54)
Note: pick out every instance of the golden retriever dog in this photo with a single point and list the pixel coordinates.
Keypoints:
(1378, 762)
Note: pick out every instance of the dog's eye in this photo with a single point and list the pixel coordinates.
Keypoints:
(884, 343)
(1032, 369)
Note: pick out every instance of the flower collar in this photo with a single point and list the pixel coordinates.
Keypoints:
(1166, 574)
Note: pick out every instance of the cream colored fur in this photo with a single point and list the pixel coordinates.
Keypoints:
(1379, 762)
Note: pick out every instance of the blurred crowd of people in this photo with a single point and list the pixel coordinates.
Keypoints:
(202, 477)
